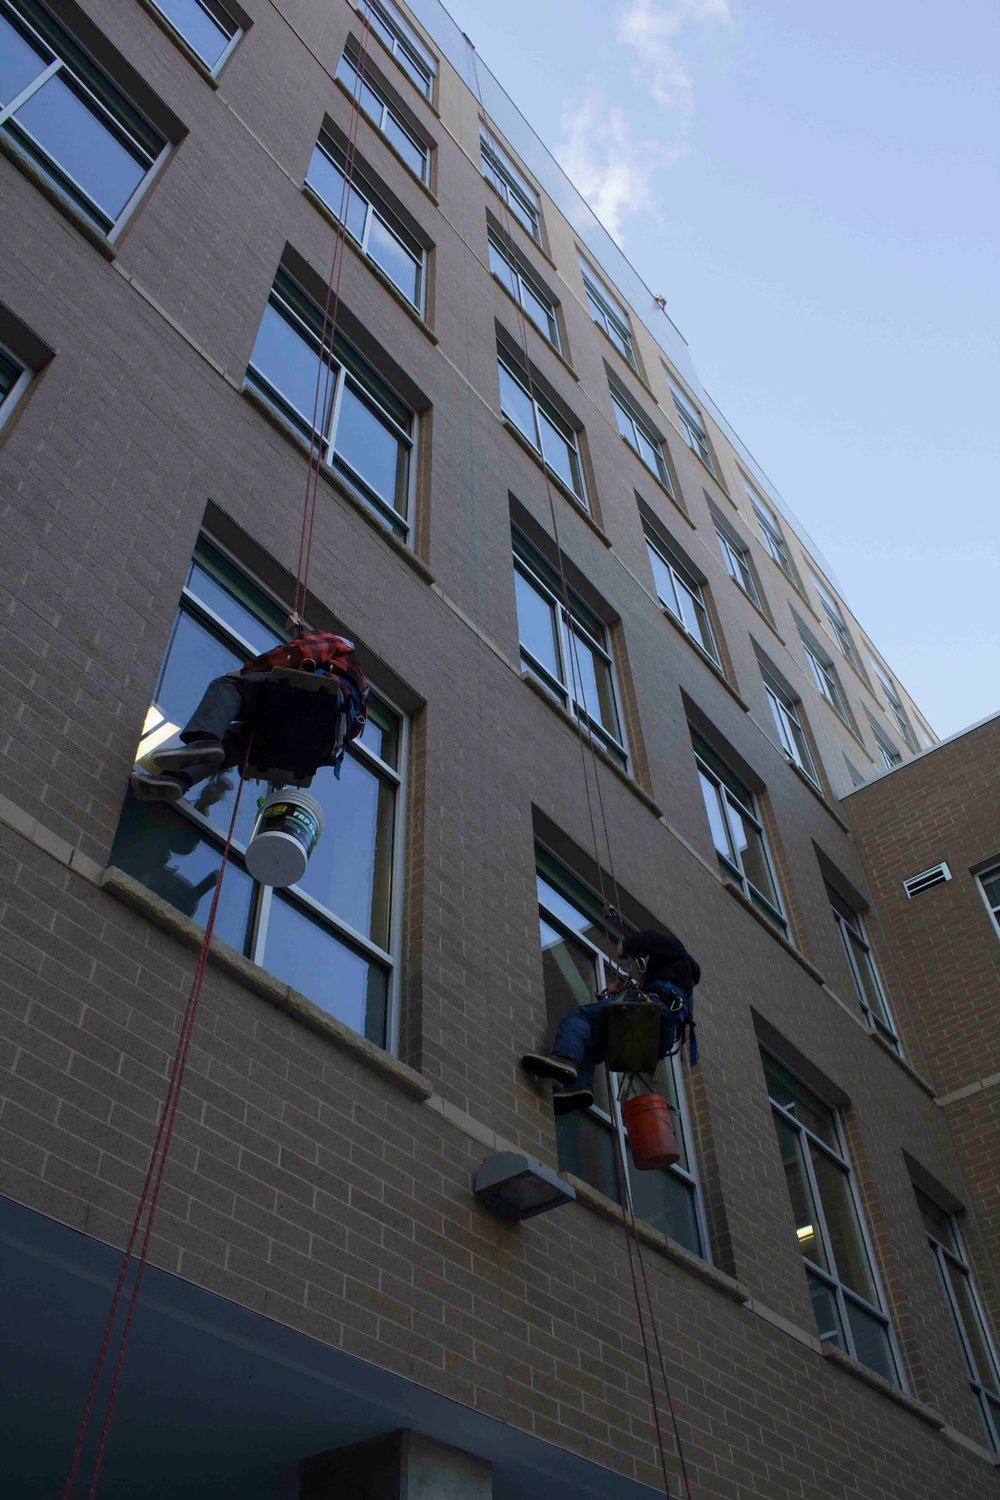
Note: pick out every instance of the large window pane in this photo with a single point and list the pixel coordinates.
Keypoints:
(849, 1253)
(716, 817)
(516, 404)
(348, 869)
(369, 446)
(750, 849)
(592, 684)
(414, 155)
(807, 1225)
(237, 616)
(536, 620)
(570, 974)
(394, 259)
(67, 130)
(587, 1149)
(871, 1341)
(313, 961)
(289, 364)
(979, 1349)
(165, 851)
(328, 181)
(827, 1311)
(559, 453)
(667, 1202)
(199, 29)
(20, 63)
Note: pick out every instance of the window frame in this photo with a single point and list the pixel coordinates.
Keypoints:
(682, 579)
(771, 534)
(607, 312)
(262, 896)
(416, 60)
(542, 407)
(511, 183)
(548, 870)
(623, 408)
(375, 208)
(745, 804)
(19, 377)
(837, 1154)
(523, 277)
(74, 68)
(827, 682)
(736, 558)
(693, 428)
(794, 744)
(994, 911)
(364, 80)
(987, 1399)
(895, 703)
(891, 757)
(581, 624)
(350, 367)
(850, 923)
(212, 9)
(838, 625)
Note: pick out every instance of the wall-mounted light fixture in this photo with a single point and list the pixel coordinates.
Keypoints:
(518, 1187)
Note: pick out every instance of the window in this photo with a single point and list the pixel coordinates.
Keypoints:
(332, 936)
(839, 1268)
(789, 725)
(388, 120)
(11, 374)
(566, 650)
(537, 420)
(512, 273)
(515, 189)
(640, 436)
(891, 757)
(680, 593)
(864, 974)
(693, 428)
(402, 41)
(68, 117)
(989, 889)
(576, 948)
(978, 1349)
(364, 431)
(825, 677)
(838, 624)
(383, 238)
(736, 831)
(770, 532)
(209, 30)
(737, 562)
(895, 704)
(608, 314)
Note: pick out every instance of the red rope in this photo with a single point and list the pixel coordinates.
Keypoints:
(154, 1178)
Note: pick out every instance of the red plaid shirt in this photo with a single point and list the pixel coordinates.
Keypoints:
(319, 650)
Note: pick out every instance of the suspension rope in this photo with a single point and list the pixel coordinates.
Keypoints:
(146, 1210)
(587, 740)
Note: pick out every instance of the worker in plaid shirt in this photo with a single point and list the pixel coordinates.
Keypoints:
(216, 735)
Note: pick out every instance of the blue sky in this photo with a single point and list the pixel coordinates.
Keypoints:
(816, 190)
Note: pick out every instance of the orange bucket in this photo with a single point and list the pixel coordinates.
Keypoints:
(650, 1133)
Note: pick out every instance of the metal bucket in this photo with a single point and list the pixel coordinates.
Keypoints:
(287, 830)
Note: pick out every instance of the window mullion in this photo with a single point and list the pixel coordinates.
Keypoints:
(31, 88)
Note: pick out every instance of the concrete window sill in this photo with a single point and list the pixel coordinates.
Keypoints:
(608, 1209)
(342, 86)
(779, 937)
(878, 1383)
(900, 1062)
(555, 482)
(254, 978)
(603, 756)
(510, 218)
(289, 433)
(711, 664)
(531, 324)
(78, 220)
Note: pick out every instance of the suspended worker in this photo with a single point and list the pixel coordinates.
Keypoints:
(664, 971)
(218, 732)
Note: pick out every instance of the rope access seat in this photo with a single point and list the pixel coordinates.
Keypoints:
(301, 725)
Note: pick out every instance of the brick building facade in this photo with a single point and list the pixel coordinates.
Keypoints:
(530, 515)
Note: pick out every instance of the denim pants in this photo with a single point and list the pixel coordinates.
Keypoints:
(582, 1034)
(227, 712)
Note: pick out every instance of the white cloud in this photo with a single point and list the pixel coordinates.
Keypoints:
(651, 27)
(613, 171)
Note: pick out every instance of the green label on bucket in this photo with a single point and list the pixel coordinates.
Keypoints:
(284, 817)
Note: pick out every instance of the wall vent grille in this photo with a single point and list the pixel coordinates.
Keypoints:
(917, 884)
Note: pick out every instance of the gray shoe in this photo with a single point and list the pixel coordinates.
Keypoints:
(179, 757)
(540, 1065)
(157, 788)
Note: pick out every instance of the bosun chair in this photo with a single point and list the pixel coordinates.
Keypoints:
(299, 728)
(632, 1052)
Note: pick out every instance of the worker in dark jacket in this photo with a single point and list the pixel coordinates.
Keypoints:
(664, 970)
(217, 734)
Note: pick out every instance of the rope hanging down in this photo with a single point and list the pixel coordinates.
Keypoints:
(586, 740)
(146, 1209)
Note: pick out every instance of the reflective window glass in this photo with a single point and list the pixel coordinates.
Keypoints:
(207, 30)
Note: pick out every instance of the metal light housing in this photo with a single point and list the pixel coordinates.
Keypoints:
(518, 1187)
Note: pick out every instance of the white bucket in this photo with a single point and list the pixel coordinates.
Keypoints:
(287, 830)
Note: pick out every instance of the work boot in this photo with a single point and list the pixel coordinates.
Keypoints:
(565, 1101)
(540, 1065)
(179, 757)
(154, 786)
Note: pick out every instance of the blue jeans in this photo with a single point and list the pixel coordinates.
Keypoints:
(582, 1034)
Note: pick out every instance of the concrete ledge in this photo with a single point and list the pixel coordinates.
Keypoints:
(779, 937)
(48, 190)
(703, 656)
(385, 141)
(555, 482)
(878, 1383)
(956, 1096)
(801, 1336)
(547, 342)
(818, 794)
(254, 978)
(603, 756)
(599, 1204)
(900, 1062)
(963, 1444)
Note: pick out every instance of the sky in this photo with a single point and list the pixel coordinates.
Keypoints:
(816, 191)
